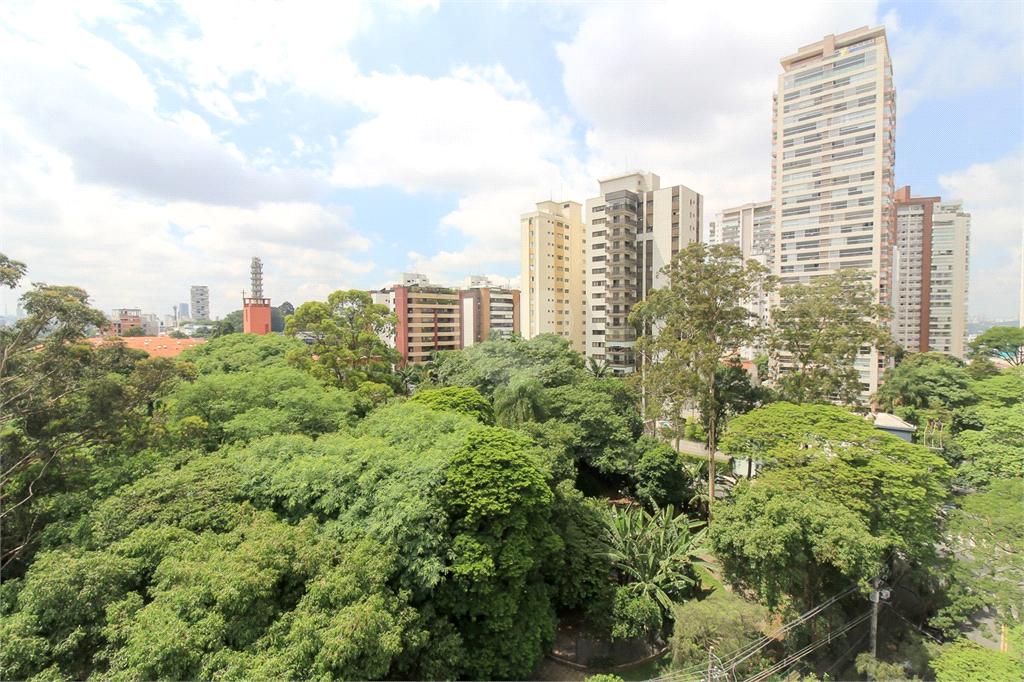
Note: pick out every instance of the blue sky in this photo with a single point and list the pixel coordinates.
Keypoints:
(150, 146)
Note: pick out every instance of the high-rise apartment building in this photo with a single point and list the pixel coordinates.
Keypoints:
(749, 227)
(488, 311)
(200, 303)
(833, 151)
(553, 272)
(931, 273)
(634, 228)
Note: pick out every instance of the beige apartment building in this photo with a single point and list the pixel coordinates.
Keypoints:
(634, 228)
(931, 274)
(553, 272)
(833, 151)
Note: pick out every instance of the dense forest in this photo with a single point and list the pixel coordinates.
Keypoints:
(266, 508)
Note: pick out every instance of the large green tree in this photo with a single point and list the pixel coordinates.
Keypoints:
(689, 325)
(818, 332)
(346, 332)
(1003, 343)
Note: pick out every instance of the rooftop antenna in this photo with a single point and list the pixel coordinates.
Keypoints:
(257, 277)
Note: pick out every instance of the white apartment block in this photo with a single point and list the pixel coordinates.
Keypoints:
(931, 274)
(749, 227)
(553, 272)
(200, 303)
(634, 228)
(833, 151)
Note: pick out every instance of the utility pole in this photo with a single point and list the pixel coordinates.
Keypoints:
(877, 596)
(710, 649)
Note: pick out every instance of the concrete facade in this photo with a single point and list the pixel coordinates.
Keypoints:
(554, 251)
(200, 299)
(634, 229)
(931, 274)
(429, 320)
(487, 311)
(750, 227)
(833, 152)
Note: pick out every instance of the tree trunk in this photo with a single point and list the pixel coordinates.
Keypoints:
(712, 443)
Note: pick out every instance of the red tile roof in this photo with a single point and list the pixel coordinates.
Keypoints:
(156, 346)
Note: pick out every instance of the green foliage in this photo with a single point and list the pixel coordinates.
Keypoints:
(604, 417)
(65, 406)
(927, 380)
(493, 363)
(519, 402)
(1003, 343)
(419, 547)
(840, 457)
(240, 353)
(965, 661)
(988, 533)
(659, 477)
(11, 271)
(817, 333)
(499, 506)
(347, 332)
(635, 615)
(689, 325)
(135, 331)
(791, 547)
(248, 405)
(175, 334)
(724, 621)
(576, 578)
(997, 451)
(466, 401)
(656, 554)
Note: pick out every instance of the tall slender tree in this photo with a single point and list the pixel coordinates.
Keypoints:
(819, 330)
(689, 325)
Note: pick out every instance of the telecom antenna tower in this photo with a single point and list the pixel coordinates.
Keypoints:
(257, 277)
(256, 318)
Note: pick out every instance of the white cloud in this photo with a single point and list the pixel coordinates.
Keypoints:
(992, 194)
(476, 133)
(47, 33)
(130, 252)
(218, 104)
(684, 90)
(300, 45)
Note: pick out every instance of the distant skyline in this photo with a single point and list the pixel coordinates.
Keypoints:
(150, 147)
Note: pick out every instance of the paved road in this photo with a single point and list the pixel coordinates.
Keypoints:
(689, 447)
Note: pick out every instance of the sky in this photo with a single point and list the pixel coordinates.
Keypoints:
(153, 145)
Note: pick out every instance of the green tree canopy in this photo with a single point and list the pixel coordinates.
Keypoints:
(966, 661)
(691, 324)
(1003, 343)
(893, 485)
(792, 547)
(347, 332)
(466, 401)
(240, 353)
(818, 331)
(493, 363)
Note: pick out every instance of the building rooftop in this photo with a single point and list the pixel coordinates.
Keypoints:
(156, 346)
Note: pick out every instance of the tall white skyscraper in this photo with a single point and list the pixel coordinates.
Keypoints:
(833, 152)
(933, 240)
(634, 228)
(200, 296)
